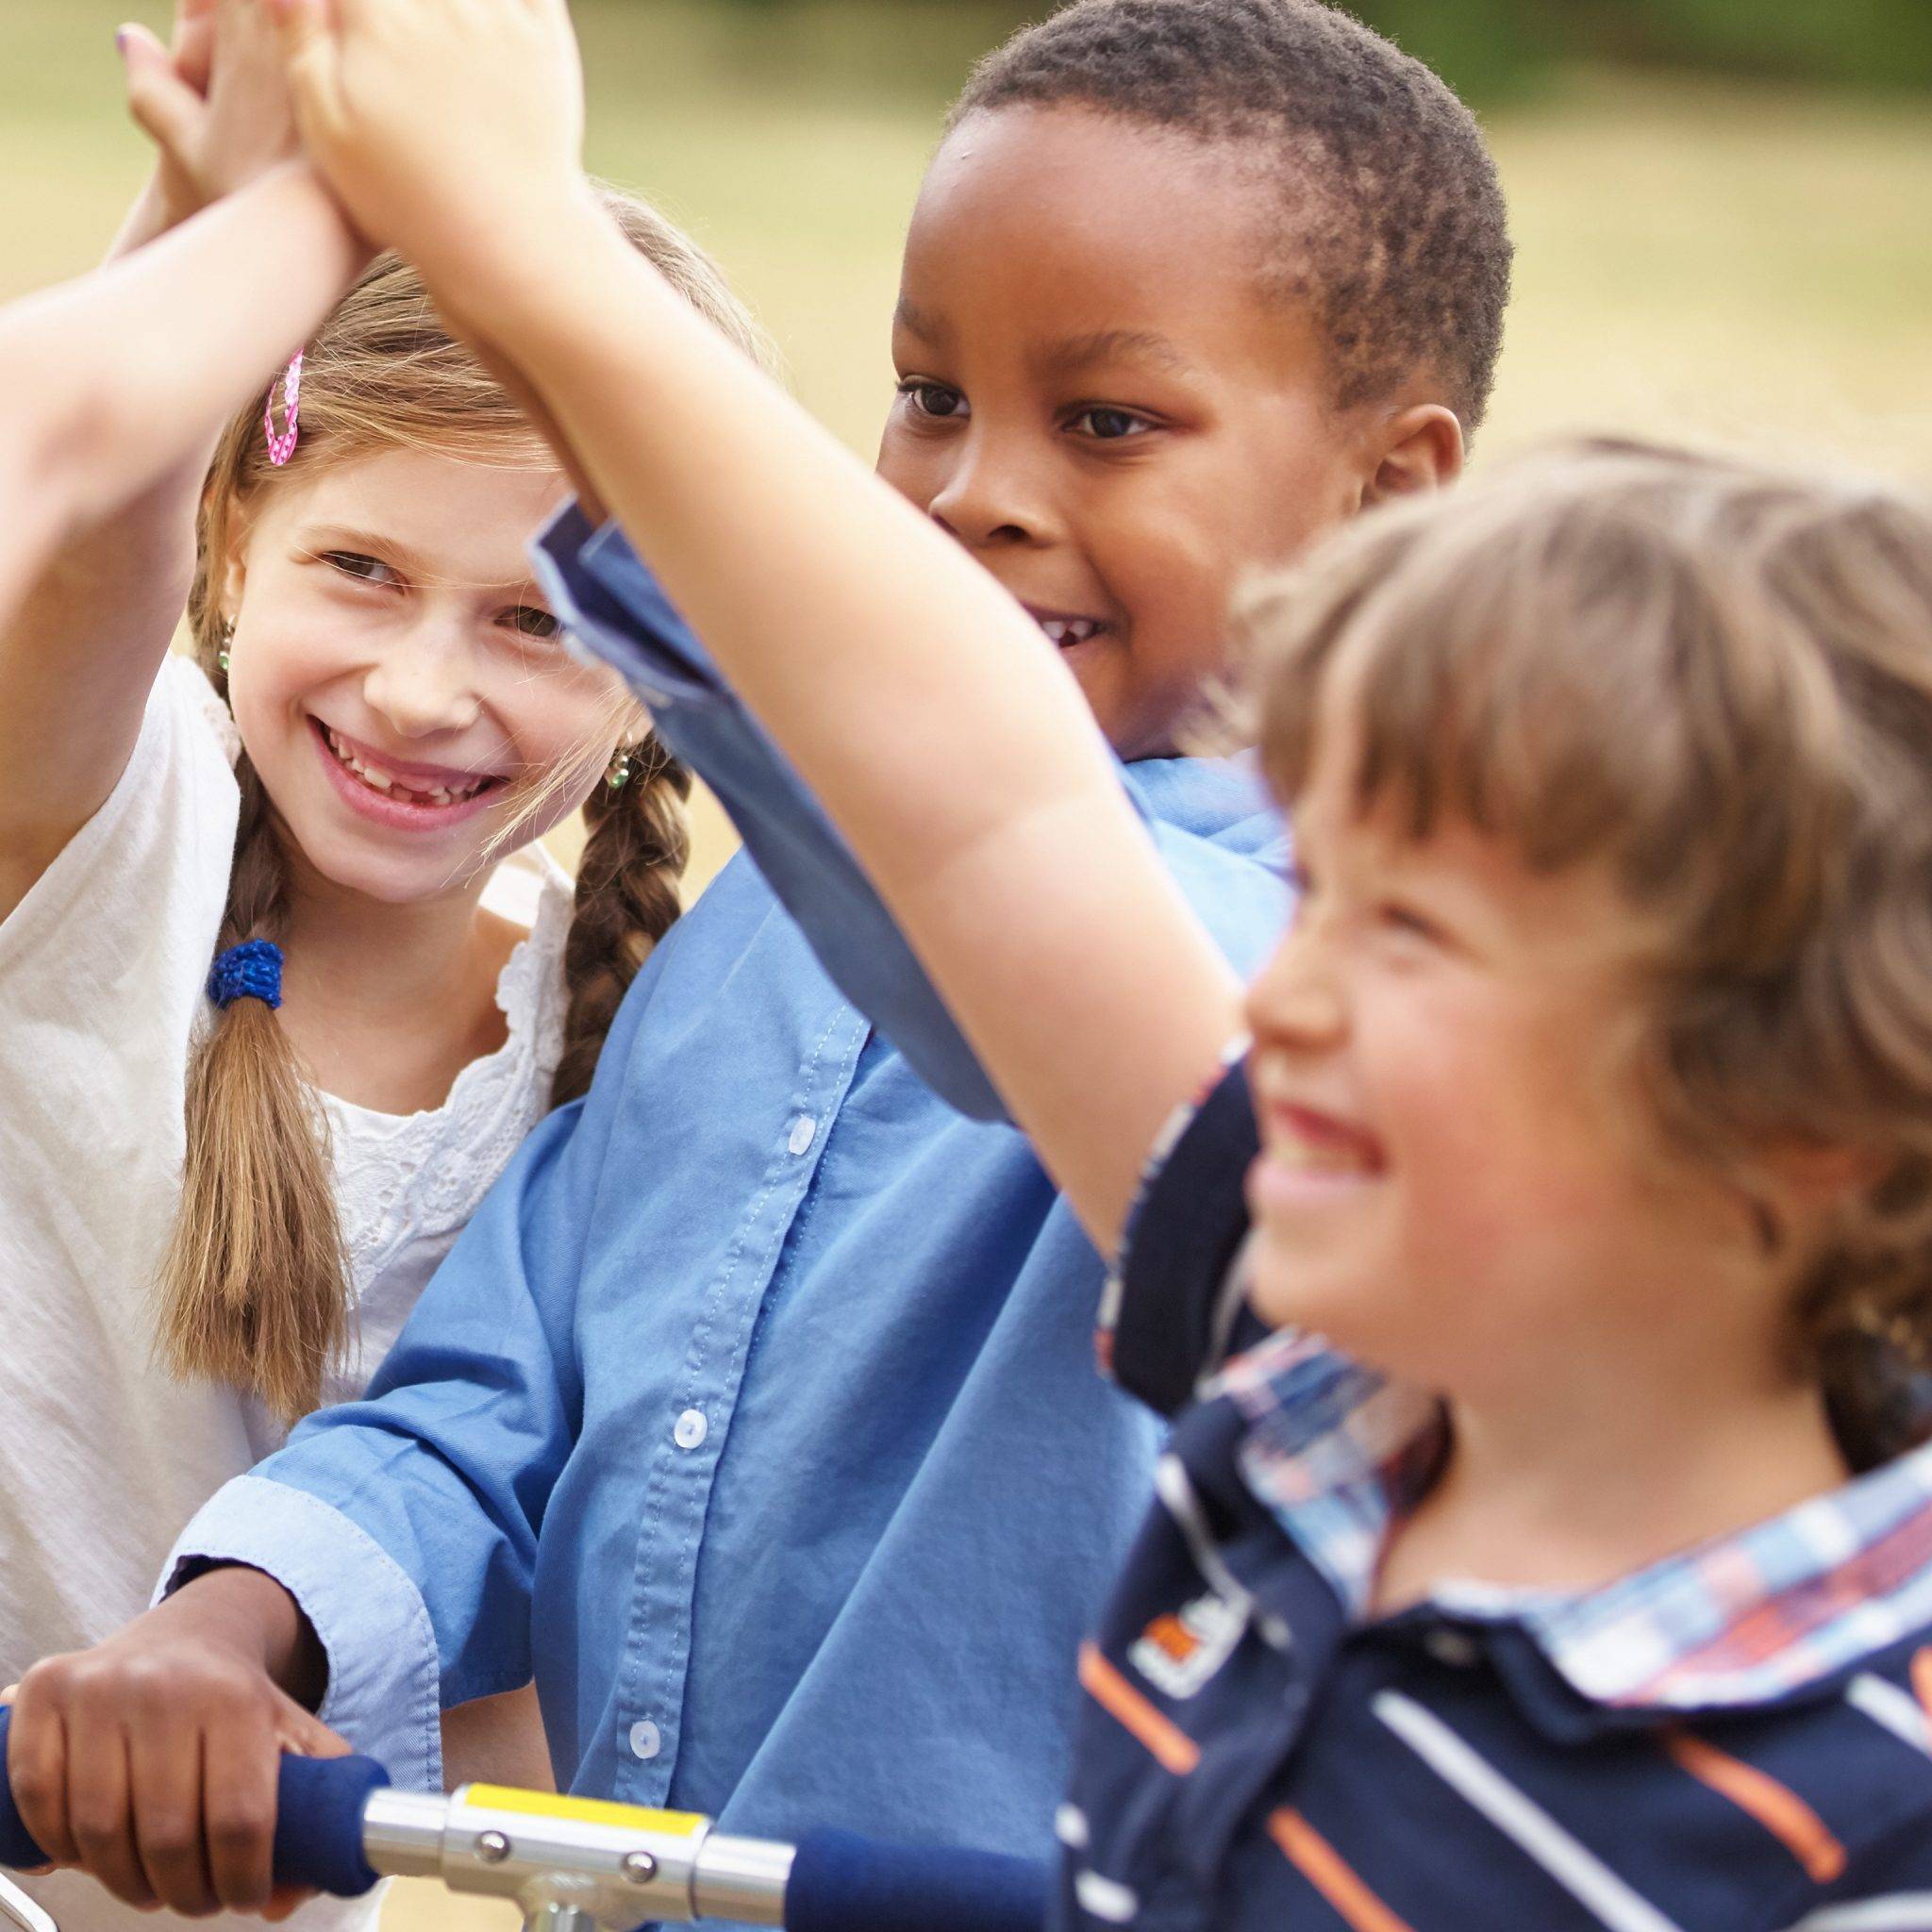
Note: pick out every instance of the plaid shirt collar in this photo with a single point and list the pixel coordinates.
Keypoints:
(1336, 1454)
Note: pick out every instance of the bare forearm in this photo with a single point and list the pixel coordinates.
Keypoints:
(148, 219)
(122, 374)
(102, 608)
(177, 335)
(918, 700)
(526, 398)
(129, 571)
(123, 380)
(250, 1613)
(126, 575)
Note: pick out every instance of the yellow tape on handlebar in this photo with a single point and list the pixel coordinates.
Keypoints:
(584, 1811)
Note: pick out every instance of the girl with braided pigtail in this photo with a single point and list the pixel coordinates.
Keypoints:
(258, 1289)
(286, 976)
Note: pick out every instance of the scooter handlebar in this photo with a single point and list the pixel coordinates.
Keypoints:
(839, 1882)
(319, 1807)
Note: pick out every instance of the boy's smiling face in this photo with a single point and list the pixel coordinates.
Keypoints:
(1465, 1175)
(1100, 400)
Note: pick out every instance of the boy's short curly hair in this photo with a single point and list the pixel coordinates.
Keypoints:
(1394, 227)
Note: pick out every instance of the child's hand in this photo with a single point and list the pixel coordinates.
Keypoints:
(151, 1760)
(443, 125)
(215, 102)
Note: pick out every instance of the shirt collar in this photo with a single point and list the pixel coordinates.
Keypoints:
(1336, 1452)
(1224, 799)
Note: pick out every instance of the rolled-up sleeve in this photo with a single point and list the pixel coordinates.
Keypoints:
(364, 1607)
(406, 1524)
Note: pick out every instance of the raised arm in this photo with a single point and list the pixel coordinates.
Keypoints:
(915, 697)
(116, 388)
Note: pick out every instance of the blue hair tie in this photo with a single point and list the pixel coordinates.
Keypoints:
(252, 970)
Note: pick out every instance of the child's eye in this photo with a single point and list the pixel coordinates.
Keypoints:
(1105, 424)
(1405, 920)
(933, 399)
(527, 620)
(365, 569)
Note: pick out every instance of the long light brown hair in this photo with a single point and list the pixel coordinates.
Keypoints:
(1716, 676)
(254, 1288)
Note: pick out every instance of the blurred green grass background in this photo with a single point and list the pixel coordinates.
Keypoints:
(1699, 257)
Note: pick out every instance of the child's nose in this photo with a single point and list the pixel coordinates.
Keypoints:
(1296, 999)
(990, 497)
(425, 687)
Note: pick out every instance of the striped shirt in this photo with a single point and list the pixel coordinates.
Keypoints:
(1737, 1736)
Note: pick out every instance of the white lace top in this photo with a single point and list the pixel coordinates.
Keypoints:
(406, 1184)
(103, 1454)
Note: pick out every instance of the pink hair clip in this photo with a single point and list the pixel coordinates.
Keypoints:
(281, 442)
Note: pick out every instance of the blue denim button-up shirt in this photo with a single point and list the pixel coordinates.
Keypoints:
(755, 1408)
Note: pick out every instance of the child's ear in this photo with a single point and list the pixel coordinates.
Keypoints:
(1419, 449)
(1806, 1184)
(1822, 1173)
(231, 572)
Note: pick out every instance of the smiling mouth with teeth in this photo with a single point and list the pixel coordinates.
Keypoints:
(1071, 631)
(377, 779)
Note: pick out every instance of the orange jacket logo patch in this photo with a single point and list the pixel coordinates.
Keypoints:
(1180, 1650)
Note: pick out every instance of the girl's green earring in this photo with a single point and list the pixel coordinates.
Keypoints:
(618, 773)
(228, 639)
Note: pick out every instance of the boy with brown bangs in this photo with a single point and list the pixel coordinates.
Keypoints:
(1189, 282)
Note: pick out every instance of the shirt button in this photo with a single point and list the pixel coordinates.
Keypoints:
(804, 1129)
(644, 1741)
(1448, 1646)
(688, 1432)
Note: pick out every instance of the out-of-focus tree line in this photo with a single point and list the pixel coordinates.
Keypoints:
(1504, 49)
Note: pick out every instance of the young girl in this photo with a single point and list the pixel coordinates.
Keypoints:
(225, 1188)
(1592, 1082)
